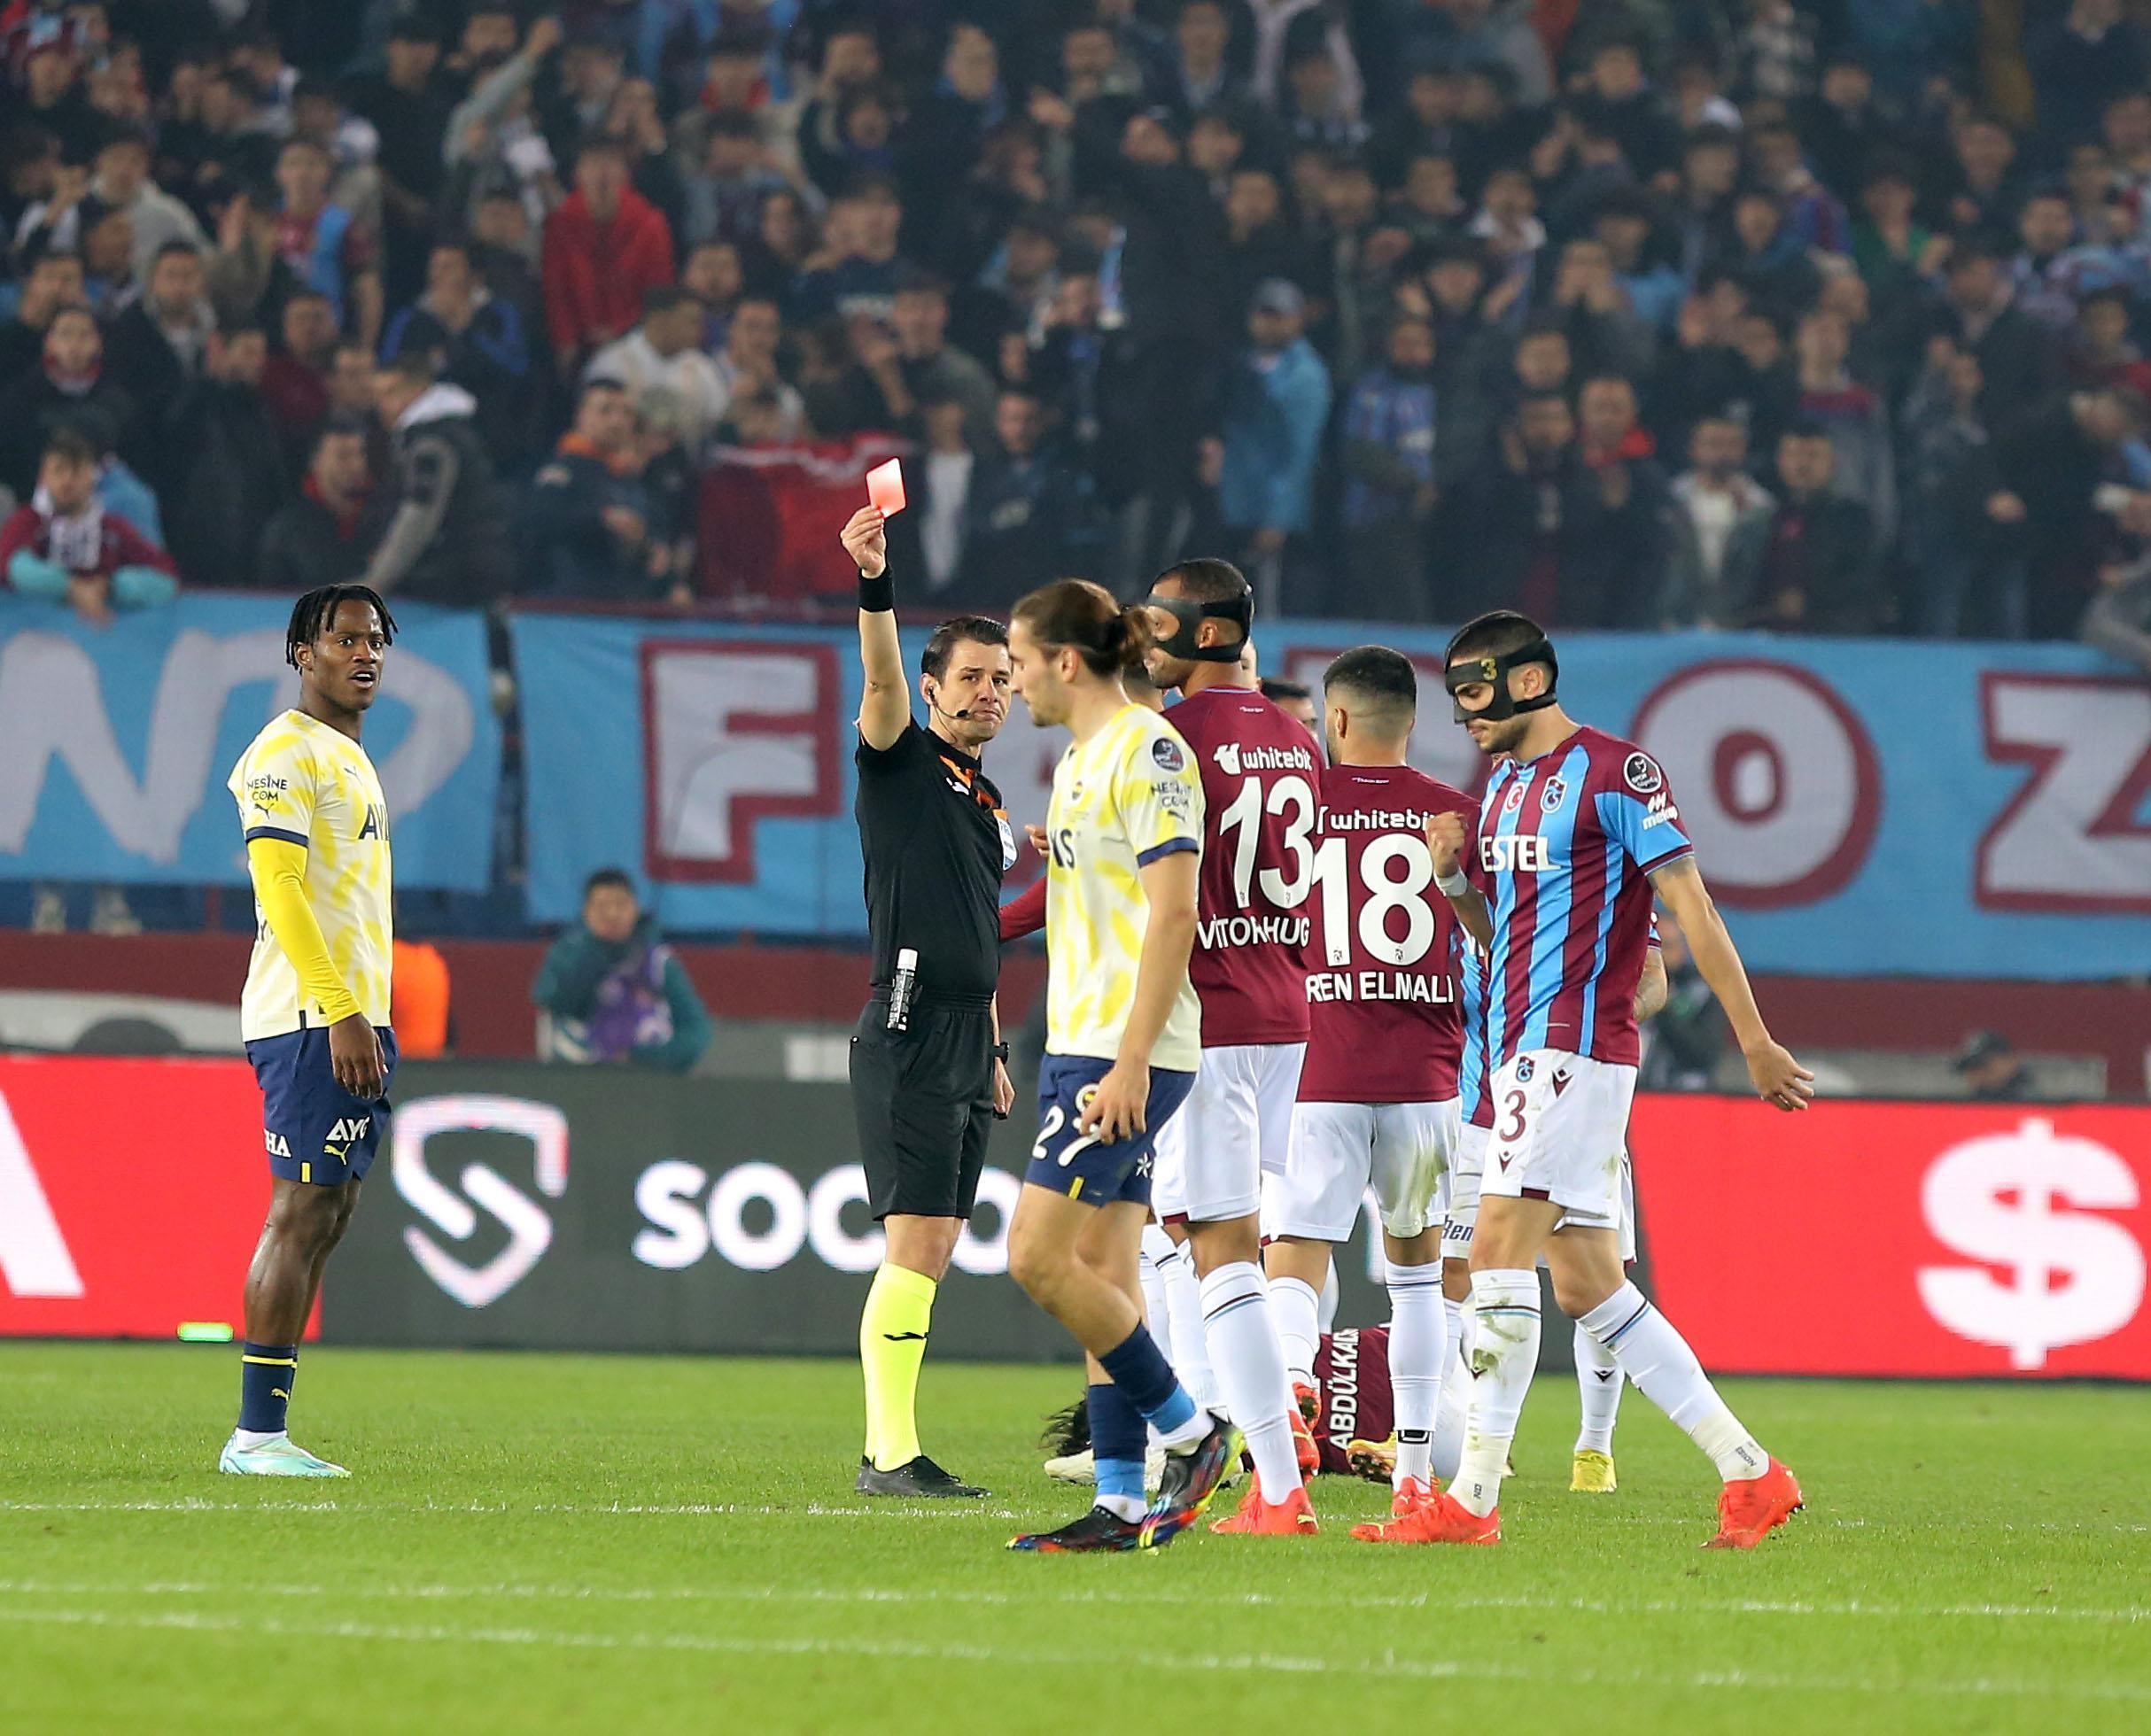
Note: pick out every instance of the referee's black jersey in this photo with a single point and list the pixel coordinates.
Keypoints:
(936, 843)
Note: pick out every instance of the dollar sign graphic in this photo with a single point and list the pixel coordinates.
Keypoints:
(2021, 1202)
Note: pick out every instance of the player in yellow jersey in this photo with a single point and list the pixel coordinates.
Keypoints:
(315, 1014)
(1123, 1038)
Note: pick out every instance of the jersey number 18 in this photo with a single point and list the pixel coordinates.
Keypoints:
(1385, 894)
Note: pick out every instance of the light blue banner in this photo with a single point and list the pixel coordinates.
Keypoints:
(115, 742)
(1860, 807)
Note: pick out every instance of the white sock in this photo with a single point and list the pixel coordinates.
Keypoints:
(1331, 1294)
(1505, 1303)
(1157, 1304)
(1456, 1392)
(1658, 1360)
(1598, 1384)
(1126, 1508)
(1250, 1371)
(1297, 1311)
(249, 1438)
(1464, 1330)
(1418, 1352)
(1190, 1350)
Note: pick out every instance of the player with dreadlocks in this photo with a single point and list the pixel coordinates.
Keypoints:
(314, 1013)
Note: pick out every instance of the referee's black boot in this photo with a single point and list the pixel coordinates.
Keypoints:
(921, 1477)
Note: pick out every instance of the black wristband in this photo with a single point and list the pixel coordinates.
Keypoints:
(878, 594)
(1000, 1053)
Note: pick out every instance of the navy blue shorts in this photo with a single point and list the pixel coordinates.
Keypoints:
(316, 1130)
(1074, 1163)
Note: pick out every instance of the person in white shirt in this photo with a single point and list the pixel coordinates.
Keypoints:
(664, 351)
(748, 363)
(1721, 523)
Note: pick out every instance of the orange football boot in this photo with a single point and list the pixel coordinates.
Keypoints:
(1443, 1519)
(1306, 1417)
(1293, 1517)
(1412, 1493)
(1750, 1509)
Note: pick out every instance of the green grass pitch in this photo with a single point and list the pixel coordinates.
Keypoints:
(541, 1542)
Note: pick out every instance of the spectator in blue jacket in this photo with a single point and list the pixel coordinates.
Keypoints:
(587, 522)
(1389, 482)
(1277, 404)
(617, 993)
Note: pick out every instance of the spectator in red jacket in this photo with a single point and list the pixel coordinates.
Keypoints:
(64, 546)
(605, 246)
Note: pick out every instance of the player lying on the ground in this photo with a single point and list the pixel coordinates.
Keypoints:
(1352, 1373)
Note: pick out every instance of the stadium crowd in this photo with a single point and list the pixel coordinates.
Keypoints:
(1640, 314)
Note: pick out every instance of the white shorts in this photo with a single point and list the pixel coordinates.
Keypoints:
(1235, 1125)
(1627, 1214)
(1462, 1216)
(1560, 1131)
(1402, 1150)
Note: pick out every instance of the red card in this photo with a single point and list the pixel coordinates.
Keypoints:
(885, 486)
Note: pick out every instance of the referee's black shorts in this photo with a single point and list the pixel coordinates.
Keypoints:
(924, 1100)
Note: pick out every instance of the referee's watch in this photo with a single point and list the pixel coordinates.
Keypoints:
(1000, 1053)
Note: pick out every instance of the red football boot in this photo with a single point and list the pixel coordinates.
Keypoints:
(1306, 1417)
(1750, 1509)
(1412, 1493)
(1293, 1517)
(1444, 1519)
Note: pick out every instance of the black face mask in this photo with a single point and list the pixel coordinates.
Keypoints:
(1494, 671)
(1191, 616)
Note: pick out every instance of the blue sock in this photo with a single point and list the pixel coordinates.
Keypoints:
(266, 1376)
(1116, 1444)
(1138, 1368)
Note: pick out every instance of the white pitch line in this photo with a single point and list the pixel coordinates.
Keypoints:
(688, 1510)
(1386, 1663)
(1855, 1607)
(819, 1510)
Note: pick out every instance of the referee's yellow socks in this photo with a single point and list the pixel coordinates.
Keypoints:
(892, 1344)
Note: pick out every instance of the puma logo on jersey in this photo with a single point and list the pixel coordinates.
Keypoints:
(351, 1127)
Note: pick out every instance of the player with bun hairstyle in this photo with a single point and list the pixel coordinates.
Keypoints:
(1123, 1037)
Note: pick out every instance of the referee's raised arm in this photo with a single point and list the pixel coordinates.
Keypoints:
(885, 707)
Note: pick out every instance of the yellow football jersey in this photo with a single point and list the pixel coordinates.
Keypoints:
(310, 785)
(1121, 800)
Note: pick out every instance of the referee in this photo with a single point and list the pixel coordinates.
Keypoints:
(929, 1070)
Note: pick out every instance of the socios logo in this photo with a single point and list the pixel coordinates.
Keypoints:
(758, 1217)
(529, 1227)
